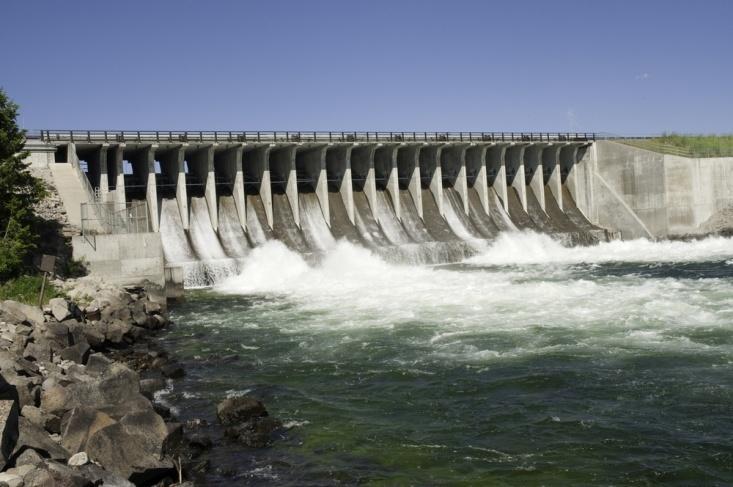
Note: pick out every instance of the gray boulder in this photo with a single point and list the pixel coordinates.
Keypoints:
(59, 308)
(239, 409)
(22, 313)
(35, 437)
(9, 430)
(82, 423)
(76, 353)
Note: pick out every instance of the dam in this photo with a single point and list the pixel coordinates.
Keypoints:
(188, 207)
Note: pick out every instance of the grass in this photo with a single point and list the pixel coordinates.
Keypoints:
(26, 290)
(688, 145)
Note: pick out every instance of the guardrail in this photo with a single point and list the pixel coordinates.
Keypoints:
(140, 136)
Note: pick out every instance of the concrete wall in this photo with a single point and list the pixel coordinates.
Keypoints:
(122, 258)
(644, 193)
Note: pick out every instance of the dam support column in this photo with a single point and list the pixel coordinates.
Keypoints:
(431, 175)
(97, 172)
(282, 162)
(172, 165)
(476, 176)
(143, 164)
(533, 173)
(338, 173)
(453, 169)
(229, 163)
(496, 172)
(408, 173)
(568, 157)
(118, 173)
(362, 173)
(514, 162)
(385, 163)
(551, 169)
(202, 163)
(256, 170)
(310, 164)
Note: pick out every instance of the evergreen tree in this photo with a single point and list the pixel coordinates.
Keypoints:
(20, 191)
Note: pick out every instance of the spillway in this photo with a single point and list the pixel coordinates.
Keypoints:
(419, 203)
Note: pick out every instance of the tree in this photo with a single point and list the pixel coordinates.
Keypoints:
(20, 191)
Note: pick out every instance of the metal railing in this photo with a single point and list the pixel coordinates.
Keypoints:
(114, 218)
(142, 136)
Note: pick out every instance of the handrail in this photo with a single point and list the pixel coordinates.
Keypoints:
(171, 136)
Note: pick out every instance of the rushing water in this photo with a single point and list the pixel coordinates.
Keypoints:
(529, 364)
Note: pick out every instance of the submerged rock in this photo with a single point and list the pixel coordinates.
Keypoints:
(247, 421)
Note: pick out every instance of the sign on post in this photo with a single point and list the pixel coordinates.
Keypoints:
(48, 264)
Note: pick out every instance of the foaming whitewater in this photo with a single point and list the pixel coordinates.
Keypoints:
(529, 363)
(518, 248)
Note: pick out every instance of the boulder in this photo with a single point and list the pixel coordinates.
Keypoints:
(38, 351)
(57, 334)
(52, 473)
(78, 459)
(94, 334)
(239, 409)
(148, 387)
(128, 452)
(254, 433)
(35, 437)
(59, 308)
(103, 477)
(152, 308)
(116, 331)
(28, 457)
(76, 353)
(92, 312)
(11, 480)
(22, 313)
(9, 430)
(139, 317)
(82, 423)
(49, 422)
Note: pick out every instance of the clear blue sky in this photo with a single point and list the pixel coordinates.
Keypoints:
(614, 66)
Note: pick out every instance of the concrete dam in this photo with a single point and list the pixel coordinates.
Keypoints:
(188, 207)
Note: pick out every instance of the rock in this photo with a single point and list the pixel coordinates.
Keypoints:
(255, 433)
(138, 314)
(49, 422)
(22, 312)
(148, 387)
(28, 457)
(11, 480)
(152, 308)
(59, 308)
(78, 459)
(57, 334)
(35, 437)
(9, 430)
(92, 311)
(53, 473)
(82, 423)
(98, 363)
(116, 331)
(76, 353)
(94, 335)
(172, 371)
(239, 409)
(103, 477)
(24, 387)
(38, 351)
(130, 453)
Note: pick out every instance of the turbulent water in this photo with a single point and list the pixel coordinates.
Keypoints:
(527, 364)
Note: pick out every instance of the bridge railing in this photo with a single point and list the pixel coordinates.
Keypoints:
(141, 136)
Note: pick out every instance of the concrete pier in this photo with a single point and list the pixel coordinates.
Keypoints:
(228, 164)
(514, 163)
(385, 167)
(362, 173)
(476, 174)
(496, 171)
(408, 173)
(551, 169)
(310, 163)
(453, 170)
(338, 173)
(431, 175)
(256, 171)
(533, 172)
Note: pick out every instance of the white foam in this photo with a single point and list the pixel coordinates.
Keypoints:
(512, 248)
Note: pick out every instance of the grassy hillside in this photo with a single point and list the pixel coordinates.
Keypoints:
(688, 145)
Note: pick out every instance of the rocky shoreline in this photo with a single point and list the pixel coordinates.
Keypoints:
(77, 394)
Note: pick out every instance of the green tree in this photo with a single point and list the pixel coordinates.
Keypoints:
(20, 191)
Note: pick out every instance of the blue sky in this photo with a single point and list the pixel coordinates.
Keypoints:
(626, 67)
